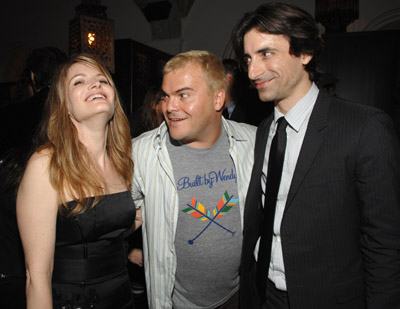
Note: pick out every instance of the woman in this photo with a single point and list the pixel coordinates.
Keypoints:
(73, 203)
(149, 115)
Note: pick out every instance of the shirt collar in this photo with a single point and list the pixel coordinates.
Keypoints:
(234, 132)
(162, 131)
(158, 138)
(299, 112)
(231, 106)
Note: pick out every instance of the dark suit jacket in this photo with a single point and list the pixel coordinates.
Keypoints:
(239, 114)
(340, 230)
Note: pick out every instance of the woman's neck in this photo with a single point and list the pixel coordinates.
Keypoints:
(95, 141)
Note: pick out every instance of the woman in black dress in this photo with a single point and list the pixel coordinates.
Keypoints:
(74, 203)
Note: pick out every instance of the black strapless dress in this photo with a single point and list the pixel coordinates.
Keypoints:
(90, 256)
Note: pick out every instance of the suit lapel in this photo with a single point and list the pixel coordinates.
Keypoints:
(261, 143)
(252, 212)
(312, 142)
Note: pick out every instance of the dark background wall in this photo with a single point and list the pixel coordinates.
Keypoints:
(365, 60)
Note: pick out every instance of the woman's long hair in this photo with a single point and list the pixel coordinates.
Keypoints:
(71, 169)
(148, 116)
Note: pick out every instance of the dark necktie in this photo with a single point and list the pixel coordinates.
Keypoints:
(274, 173)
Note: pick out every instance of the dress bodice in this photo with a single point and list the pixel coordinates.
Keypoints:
(90, 256)
(103, 223)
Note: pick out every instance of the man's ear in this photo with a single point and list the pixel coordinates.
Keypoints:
(219, 99)
(306, 58)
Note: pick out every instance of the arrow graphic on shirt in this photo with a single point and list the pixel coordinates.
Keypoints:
(197, 210)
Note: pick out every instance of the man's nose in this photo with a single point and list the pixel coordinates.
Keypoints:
(172, 103)
(255, 69)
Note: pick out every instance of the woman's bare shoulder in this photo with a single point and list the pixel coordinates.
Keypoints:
(40, 158)
(37, 165)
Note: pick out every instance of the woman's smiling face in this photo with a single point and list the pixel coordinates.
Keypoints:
(89, 93)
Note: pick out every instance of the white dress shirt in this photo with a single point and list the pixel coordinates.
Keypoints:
(297, 118)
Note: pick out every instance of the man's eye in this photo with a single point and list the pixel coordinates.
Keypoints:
(163, 98)
(184, 95)
(266, 54)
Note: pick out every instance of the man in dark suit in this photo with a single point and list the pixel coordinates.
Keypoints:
(241, 102)
(235, 86)
(330, 236)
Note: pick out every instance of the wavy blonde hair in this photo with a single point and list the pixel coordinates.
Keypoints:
(71, 170)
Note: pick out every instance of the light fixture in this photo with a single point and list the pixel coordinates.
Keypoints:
(92, 32)
(336, 15)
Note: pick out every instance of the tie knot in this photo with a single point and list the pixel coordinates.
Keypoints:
(282, 124)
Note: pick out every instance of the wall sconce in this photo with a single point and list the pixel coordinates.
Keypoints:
(91, 32)
(336, 15)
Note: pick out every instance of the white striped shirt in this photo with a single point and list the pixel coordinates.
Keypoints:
(154, 190)
(297, 118)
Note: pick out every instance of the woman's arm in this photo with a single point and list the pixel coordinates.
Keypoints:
(138, 219)
(37, 215)
(136, 224)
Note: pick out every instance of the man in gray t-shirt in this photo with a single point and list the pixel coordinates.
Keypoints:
(208, 237)
(190, 182)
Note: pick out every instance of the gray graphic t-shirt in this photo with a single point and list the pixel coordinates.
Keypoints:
(208, 238)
